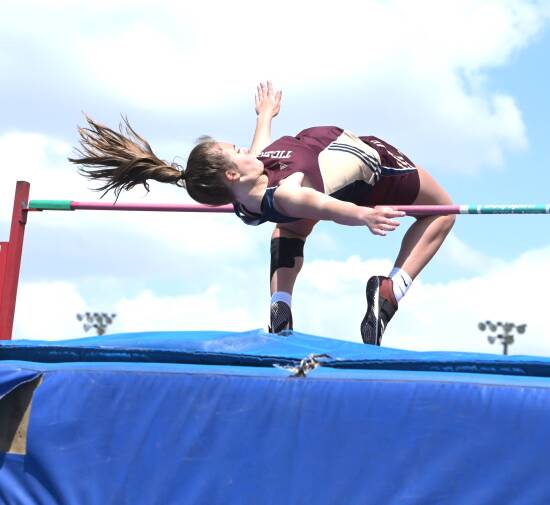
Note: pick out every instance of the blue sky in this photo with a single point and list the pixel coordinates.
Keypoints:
(459, 86)
(525, 176)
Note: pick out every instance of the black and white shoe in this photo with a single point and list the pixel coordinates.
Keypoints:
(280, 318)
(381, 307)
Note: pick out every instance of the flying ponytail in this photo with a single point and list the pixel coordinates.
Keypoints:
(124, 159)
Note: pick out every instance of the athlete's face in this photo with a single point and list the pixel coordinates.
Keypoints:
(247, 164)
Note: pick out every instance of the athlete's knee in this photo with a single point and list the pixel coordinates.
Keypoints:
(441, 225)
(445, 224)
(448, 222)
(284, 252)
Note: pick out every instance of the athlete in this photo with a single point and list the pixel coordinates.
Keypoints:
(322, 173)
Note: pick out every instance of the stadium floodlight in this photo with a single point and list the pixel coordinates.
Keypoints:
(506, 338)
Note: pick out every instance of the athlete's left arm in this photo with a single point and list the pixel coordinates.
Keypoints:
(292, 199)
(268, 105)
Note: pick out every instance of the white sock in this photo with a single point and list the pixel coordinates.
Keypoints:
(281, 296)
(401, 282)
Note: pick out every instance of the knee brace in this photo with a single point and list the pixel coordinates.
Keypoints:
(284, 251)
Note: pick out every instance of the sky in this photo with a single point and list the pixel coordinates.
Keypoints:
(458, 86)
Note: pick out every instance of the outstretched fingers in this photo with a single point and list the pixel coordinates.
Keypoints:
(383, 229)
(384, 221)
(267, 100)
(259, 93)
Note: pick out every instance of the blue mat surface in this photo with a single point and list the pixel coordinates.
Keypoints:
(206, 417)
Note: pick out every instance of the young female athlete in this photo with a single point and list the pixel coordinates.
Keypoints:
(322, 173)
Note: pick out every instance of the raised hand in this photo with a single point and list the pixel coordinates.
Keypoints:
(268, 102)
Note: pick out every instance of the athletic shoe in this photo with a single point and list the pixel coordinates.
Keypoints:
(280, 318)
(381, 306)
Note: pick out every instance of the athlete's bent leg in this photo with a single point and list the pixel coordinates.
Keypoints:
(427, 233)
(420, 243)
(287, 258)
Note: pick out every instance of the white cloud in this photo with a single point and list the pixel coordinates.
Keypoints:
(441, 316)
(330, 277)
(42, 161)
(458, 254)
(32, 156)
(47, 311)
(449, 41)
(209, 310)
(445, 317)
(329, 301)
(416, 69)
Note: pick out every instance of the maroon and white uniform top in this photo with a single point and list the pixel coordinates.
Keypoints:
(335, 161)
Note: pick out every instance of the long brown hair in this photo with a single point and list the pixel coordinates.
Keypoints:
(124, 159)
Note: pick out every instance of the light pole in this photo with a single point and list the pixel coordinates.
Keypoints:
(98, 320)
(505, 338)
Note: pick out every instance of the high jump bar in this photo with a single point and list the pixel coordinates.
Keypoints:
(11, 250)
(410, 210)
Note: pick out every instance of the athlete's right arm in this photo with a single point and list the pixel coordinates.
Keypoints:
(268, 105)
(294, 200)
